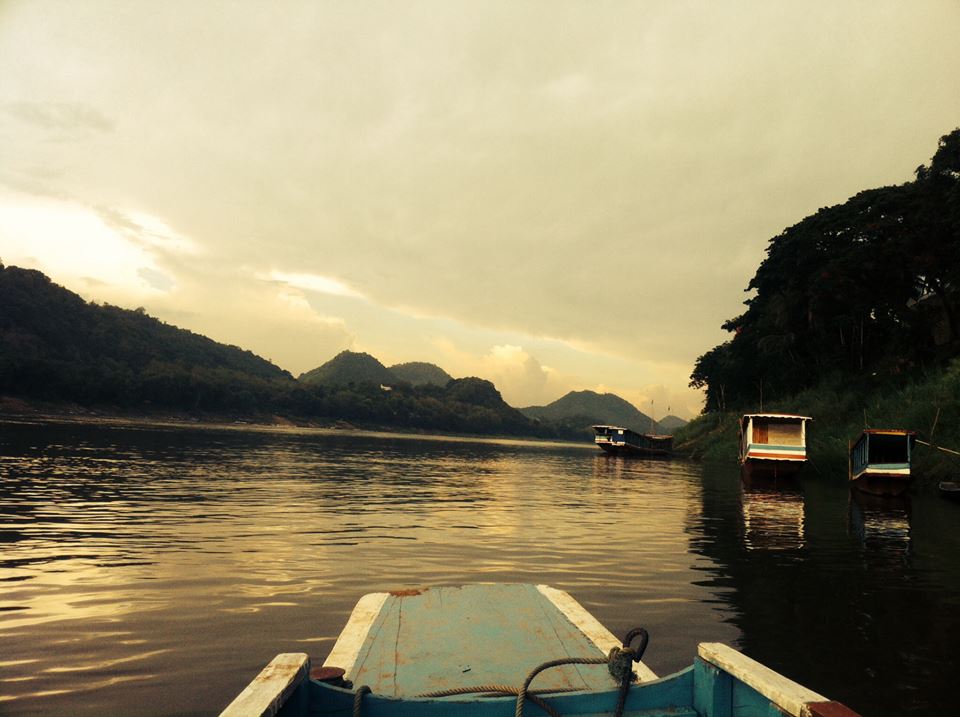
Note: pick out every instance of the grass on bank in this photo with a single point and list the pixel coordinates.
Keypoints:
(929, 405)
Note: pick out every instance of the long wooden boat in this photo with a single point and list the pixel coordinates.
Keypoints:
(618, 440)
(474, 651)
(772, 444)
(880, 461)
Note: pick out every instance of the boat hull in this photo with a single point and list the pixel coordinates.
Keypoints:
(756, 471)
(890, 484)
(634, 451)
(721, 681)
(462, 643)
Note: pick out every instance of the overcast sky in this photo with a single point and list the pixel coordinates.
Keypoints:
(551, 195)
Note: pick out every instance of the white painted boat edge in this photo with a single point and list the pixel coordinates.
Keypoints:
(270, 689)
(590, 626)
(786, 694)
(346, 650)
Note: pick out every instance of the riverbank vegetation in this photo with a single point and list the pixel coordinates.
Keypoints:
(929, 404)
(59, 353)
(853, 320)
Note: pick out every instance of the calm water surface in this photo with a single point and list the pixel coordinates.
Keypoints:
(154, 571)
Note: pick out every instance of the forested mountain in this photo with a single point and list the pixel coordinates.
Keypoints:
(669, 424)
(418, 373)
(860, 292)
(349, 367)
(56, 346)
(579, 410)
(481, 403)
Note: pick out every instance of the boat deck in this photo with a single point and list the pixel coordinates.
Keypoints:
(404, 645)
(410, 643)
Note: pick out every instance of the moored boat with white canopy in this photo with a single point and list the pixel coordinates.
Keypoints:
(773, 444)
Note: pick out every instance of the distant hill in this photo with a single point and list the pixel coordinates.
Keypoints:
(669, 424)
(349, 367)
(419, 373)
(56, 346)
(479, 403)
(590, 407)
(61, 353)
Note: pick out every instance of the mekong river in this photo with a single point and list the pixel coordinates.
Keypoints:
(150, 570)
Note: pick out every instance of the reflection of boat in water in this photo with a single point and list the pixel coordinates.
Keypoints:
(881, 522)
(772, 444)
(880, 461)
(618, 440)
(461, 650)
(772, 519)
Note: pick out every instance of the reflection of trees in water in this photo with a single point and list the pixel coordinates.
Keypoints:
(852, 619)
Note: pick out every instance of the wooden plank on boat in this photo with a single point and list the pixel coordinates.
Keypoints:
(455, 637)
(271, 688)
(787, 695)
(591, 627)
(347, 648)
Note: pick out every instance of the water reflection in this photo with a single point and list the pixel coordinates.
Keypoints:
(881, 525)
(773, 519)
(136, 561)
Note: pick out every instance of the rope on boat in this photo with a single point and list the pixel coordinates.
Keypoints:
(939, 448)
(503, 691)
(358, 699)
(496, 691)
(523, 695)
(619, 663)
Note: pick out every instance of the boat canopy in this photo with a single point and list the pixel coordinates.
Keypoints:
(776, 415)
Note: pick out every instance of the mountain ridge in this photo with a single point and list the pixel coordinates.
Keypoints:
(585, 408)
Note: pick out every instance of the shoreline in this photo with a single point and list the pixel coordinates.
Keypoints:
(13, 410)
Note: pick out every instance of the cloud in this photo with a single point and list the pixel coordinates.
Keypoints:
(521, 378)
(233, 305)
(156, 279)
(145, 230)
(315, 282)
(607, 177)
(58, 115)
(71, 243)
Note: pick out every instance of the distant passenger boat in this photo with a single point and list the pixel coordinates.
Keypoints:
(772, 444)
(476, 649)
(622, 441)
(880, 461)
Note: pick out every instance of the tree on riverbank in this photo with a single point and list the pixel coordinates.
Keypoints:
(866, 292)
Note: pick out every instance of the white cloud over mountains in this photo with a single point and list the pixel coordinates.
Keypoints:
(593, 184)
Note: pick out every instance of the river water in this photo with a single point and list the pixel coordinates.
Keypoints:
(151, 570)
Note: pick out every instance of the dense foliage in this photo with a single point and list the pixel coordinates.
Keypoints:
(418, 373)
(55, 347)
(349, 367)
(352, 367)
(863, 291)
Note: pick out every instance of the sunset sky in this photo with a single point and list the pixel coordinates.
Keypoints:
(550, 195)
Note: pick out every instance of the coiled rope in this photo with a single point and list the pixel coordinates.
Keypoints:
(619, 663)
